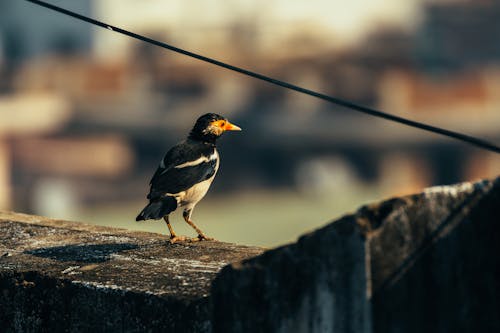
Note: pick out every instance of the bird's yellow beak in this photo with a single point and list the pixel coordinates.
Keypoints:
(225, 125)
(231, 127)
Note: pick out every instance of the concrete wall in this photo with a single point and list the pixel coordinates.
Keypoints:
(315, 285)
(420, 263)
(434, 262)
(67, 276)
(425, 262)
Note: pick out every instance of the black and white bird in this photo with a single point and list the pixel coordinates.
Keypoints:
(186, 173)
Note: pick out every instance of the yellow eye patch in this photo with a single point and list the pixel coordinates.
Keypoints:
(224, 125)
(219, 123)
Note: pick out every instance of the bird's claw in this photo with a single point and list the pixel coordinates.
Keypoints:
(175, 239)
(202, 237)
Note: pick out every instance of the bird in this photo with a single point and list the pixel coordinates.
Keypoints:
(185, 174)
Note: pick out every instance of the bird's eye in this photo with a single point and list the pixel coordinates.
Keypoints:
(222, 123)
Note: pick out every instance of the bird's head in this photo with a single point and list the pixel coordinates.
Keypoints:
(211, 126)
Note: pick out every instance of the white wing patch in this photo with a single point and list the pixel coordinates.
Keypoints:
(197, 161)
(190, 197)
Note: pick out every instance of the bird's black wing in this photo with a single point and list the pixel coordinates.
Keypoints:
(182, 167)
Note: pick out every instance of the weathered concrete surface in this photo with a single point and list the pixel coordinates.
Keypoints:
(66, 276)
(315, 285)
(421, 263)
(426, 262)
(434, 261)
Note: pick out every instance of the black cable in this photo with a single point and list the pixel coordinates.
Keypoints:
(459, 136)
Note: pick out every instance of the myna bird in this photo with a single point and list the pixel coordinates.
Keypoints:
(186, 173)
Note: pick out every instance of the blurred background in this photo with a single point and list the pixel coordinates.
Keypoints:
(87, 114)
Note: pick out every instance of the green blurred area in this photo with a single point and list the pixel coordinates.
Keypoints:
(261, 218)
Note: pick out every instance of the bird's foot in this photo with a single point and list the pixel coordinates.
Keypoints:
(202, 237)
(175, 239)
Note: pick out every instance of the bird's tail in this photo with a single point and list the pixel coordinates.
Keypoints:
(157, 209)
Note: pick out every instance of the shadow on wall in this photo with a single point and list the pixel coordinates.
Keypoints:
(93, 253)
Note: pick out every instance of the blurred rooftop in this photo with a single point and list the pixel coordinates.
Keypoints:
(88, 113)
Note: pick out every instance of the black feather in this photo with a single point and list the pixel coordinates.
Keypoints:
(198, 132)
(171, 179)
(157, 209)
(168, 179)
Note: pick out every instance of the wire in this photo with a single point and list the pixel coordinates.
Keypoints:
(373, 112)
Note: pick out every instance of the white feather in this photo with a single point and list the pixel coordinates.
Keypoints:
(198, 161)
(190, 197)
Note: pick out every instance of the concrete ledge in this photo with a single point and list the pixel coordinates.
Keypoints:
(66, 276)
(419, 263)
(434, 261)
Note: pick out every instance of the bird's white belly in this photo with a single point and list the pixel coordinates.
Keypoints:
(191, 196)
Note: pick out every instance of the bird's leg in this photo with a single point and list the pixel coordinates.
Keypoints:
(172, 233)
(187, 217)
(173, 237)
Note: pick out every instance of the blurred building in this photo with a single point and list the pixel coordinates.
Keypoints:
(90, 112)
(28, 32)
(458, 35)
